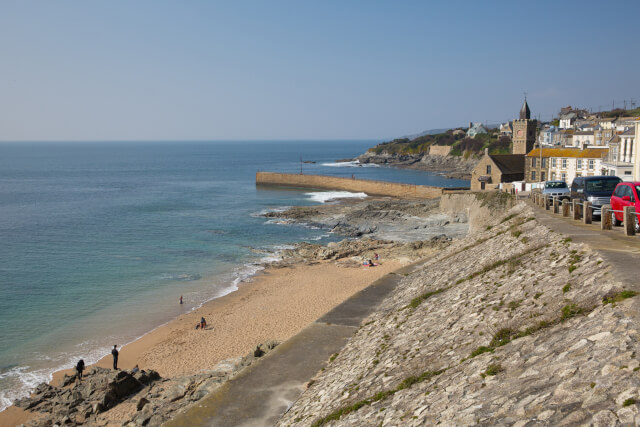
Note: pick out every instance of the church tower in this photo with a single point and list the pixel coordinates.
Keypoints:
(524, 131)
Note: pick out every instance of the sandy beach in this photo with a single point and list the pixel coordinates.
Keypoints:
(274, 306)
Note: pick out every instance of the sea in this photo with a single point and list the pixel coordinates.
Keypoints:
(98, 240)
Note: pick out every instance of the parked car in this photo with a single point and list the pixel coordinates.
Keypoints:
(596, 189)
(556, 188)
(625, 194)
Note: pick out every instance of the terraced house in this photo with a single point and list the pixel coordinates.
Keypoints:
(563, 163)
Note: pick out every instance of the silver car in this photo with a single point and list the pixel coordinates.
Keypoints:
(558, 189)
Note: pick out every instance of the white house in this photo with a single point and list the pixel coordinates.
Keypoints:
(567, 163)
(474, 129)
(617, 162)
(566, 120)
(583, 139)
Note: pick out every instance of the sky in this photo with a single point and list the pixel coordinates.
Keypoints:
(331, 69)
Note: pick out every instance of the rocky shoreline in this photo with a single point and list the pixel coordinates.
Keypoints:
(142, 397)
(402, 230)
(448, 166)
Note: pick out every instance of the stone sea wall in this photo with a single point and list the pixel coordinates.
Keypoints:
(376, 188)
(514, 324)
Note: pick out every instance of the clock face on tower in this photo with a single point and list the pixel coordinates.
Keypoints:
(519, 132)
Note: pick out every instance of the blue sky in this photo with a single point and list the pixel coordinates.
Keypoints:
(182, 70)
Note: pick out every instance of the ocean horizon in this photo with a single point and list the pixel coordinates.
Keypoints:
(101, 239)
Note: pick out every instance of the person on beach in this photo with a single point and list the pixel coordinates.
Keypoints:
(203, 323)
(135, 370)
(114, 353)
(180, 299)
(375, 255)
(79, 369)
(370, 264)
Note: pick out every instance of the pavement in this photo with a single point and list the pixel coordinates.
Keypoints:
(264, 391)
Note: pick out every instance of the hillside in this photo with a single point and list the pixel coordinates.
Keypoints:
(514, 324)
(460, 144)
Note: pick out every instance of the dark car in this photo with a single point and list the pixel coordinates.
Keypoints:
(625, 194)
(595, 189)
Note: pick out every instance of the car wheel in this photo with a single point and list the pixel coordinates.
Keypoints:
(614, 220)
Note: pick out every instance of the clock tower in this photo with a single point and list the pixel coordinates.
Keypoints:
(524, 131)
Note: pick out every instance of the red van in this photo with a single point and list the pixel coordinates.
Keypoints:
(625, 194)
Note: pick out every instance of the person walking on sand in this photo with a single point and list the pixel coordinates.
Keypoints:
(203, 323)
(114, 353)
(180, 299)
(79, 369)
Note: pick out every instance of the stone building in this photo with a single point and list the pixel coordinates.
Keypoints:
(493, 170)
(524, 131)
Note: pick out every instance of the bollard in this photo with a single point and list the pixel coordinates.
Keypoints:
(629, 220)
(556, 205)
(588, 212)
(566, 207)
(605, 217)
(547, 202)
(576, 210)
(535, 198)
(543, 199)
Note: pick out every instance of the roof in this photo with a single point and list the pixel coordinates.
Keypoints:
(585, 132)
(509, 163)
(630, 131)
(590, 153)
(568, 116)
(525, 113)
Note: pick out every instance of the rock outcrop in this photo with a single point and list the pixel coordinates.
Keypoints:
(513, 325)
(143, 398)
(449, 166)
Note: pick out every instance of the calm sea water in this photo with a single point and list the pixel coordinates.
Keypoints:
(99, 240)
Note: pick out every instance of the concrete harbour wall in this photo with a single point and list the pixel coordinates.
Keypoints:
(377, 188)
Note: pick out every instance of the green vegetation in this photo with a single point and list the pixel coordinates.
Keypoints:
(571, 310)
(494, 369)
(566, 288)
(406, 383)
(612, 298)
(629, 402)
(460, 144)
(619, 112)
(333, 357)
(418, 300)
(505, 335)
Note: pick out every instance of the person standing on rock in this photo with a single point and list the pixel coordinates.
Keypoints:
(79, 369)
(114, 353)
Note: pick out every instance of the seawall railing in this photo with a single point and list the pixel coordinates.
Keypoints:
(584, 212)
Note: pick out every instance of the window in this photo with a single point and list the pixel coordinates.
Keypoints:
(542, 174)
(482, 186)
(564, 176)
(591, 164)
(533, 175)
(579, 164)
(543, 162)
(553, 175)
(564, 163)
(488, 169)
(553, 163)
(533, 162)
(627, 172)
